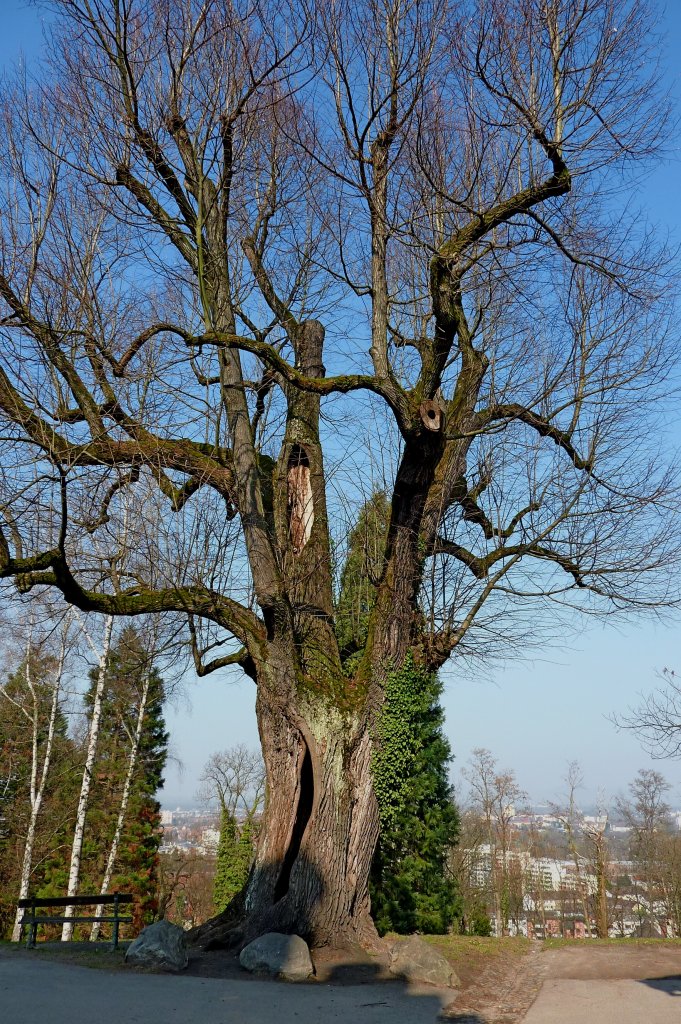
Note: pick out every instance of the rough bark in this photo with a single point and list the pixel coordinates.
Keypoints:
(206, 135)
(319, 829)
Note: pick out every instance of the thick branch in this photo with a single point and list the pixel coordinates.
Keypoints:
(480, 565)
(50, 568)
(203, 668)
(557, 185)
(343, 383)
(514, 411)
(204, 464)
(119, 365)
(158, 214)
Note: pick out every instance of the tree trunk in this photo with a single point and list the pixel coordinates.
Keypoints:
(601, 895)
(320, 828)
(37, 787)
(84, 798)
(123, 808)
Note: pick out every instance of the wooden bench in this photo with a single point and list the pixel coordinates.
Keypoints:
(32, 919)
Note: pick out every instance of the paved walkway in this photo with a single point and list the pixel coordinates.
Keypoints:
(616, 984)
(37, 993)
(652, 1001)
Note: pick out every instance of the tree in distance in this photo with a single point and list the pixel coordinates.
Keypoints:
(495, 797)
(657, 719)
(261, 260)
(236, 779)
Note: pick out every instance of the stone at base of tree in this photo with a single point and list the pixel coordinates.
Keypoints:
(280, 956)
(161, 945)
(417, 961)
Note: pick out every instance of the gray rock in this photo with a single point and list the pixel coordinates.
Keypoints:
(161, 945)
(418, 961)
(282, 956)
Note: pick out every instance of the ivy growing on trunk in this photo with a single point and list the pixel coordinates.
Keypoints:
(411, 888)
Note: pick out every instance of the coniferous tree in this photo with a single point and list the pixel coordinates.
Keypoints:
(411, 889)
(236, 779)
(359, 578)
(234, 856)
(411, 886)
(130, 679)
(36, 783)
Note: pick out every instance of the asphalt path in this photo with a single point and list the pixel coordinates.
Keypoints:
(33, 992)
(645, 1001)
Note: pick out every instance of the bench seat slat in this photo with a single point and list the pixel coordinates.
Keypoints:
(46, 920)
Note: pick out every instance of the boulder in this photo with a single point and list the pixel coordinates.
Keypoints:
(418, 961)
(280, 956)
(161, 946)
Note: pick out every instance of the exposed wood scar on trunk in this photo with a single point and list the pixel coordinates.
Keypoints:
(300, 503)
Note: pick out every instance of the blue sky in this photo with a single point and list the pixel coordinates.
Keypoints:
(534, 716)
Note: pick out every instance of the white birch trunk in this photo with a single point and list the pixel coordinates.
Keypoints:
(123, 809)
(83, 800)
(38, 780)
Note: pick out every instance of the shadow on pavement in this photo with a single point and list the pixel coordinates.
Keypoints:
(424, 1005)
(671, 984)
(65, 993)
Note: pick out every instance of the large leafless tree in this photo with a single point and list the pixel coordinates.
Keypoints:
(259, 260)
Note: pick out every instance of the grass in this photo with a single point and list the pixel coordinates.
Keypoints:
(465, 945)
(469, 955)
(631, 943)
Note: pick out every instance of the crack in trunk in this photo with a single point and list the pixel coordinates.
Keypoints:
(302, 817)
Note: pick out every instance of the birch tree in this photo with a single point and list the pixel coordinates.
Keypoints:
(86, 782)
(124, 827)
(40, 680)
(259, 261)
(123, 808)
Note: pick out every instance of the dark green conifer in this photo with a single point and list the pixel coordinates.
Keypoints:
(234, 856)
(360, 573)
(411, 887)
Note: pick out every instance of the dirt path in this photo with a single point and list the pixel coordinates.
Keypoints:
(574, 983)
(613, 962)
(501, 992)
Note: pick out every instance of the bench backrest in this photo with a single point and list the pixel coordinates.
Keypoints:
(76, 901)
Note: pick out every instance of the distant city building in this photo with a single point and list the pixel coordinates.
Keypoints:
(210, 837)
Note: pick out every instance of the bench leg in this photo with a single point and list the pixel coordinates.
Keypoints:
(114, 935)
(32, 932)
